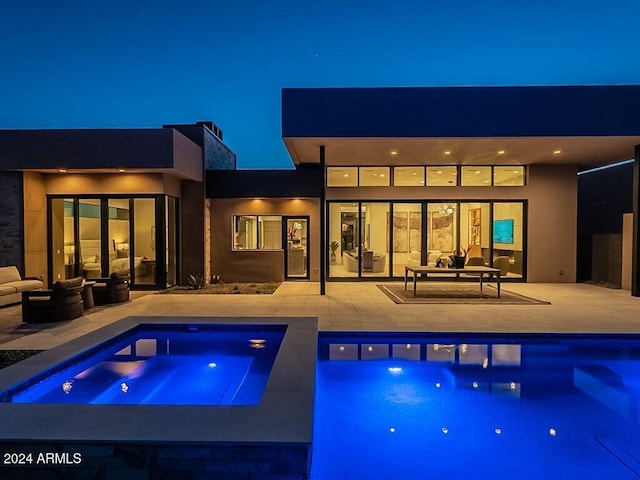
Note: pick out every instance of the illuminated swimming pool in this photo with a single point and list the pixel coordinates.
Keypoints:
(240, 399)
(499, 406)
(167, 365)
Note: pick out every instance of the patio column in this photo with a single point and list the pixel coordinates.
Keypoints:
(635, 264)
(323, 223)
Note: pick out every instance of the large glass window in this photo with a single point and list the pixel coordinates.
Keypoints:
(90, 226)
(508, 238)
(407, 236)
(145, 241)
(344, 230)
(374, 247)
(297, 247)
(374, 177)
(475, 232)
(508, 176)
(253, 232)
(342, 176)
(94, 237)
(408, 176)
(442, 231)
(442, 176)
(119, 244)
(63, 239)
(475, 176)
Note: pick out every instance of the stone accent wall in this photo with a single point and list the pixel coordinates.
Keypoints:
(11, 220)
(165, 462)
(217, 155)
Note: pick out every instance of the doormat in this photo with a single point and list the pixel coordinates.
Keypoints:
(456, 294)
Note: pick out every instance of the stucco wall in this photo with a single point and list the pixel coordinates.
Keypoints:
(552, 223)
(78, 184)
(255, 265)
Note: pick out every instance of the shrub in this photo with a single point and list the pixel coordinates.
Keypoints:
(196, 282)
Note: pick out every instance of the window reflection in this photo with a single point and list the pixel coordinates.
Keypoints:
(475, 176)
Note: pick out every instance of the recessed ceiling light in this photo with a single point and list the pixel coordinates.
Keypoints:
(557, 152)
(346, 174)
(477, 172)
(415, 173)
(516, 171)
(382, 174)
(500, 152)
(62, 170)
(394, 152)
(447, 152)
(439, 172)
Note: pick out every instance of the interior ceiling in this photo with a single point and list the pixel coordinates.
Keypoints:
(587, 151)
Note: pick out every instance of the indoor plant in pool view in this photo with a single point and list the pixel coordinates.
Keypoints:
(333, 246)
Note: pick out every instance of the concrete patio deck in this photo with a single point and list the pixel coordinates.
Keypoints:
(350, 306)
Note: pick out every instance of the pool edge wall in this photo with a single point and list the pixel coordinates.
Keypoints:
(271, 440)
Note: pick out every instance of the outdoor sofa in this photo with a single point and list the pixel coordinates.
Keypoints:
(12, 285)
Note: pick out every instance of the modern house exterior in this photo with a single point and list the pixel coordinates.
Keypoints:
(383, 177)
(93, 202)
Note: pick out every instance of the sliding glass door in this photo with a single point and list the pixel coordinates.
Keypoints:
(407, 236)
(366, 239)
(95, 237)
(144, 245)
(62, 245)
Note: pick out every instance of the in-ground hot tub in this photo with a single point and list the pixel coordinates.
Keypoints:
(239, 399)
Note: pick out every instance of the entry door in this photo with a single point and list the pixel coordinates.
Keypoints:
(296, 254)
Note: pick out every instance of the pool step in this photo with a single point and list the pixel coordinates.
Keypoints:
(620, 454)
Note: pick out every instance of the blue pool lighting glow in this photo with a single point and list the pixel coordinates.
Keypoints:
(482, 403)
(161, 366)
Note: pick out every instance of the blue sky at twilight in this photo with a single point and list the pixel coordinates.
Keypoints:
(117, 64)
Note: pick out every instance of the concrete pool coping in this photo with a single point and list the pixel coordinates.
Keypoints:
(284, 415)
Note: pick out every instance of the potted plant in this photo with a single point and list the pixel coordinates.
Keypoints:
(333, 246)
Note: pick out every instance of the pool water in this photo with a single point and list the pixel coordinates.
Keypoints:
(168, 365)
(477, 407)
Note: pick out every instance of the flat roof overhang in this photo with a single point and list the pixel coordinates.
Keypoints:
(161, 150)
(587, 151)
(589, 125)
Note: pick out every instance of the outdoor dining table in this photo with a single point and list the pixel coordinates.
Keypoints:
(426, 270)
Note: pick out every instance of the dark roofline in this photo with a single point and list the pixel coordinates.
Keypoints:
(301, 183)
(610, 110)
(86, 148)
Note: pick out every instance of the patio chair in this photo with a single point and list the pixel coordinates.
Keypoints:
(62, 302)
(503, 264)
(475, 262)
(114, 289)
